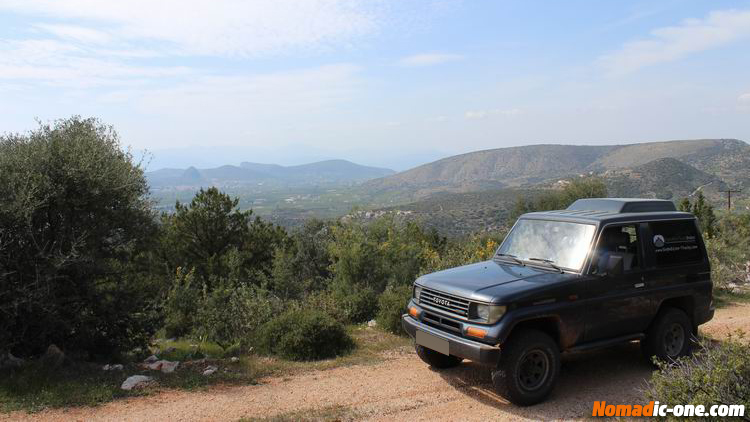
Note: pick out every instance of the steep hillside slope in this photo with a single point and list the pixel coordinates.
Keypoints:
(496, 167)
(665, 178)
(725, 159)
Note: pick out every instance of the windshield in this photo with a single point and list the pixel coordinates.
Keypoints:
(553, 242)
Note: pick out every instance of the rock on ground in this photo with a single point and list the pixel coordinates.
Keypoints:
(163, 365)
(112, 367)
(210, 370)
(136, 382)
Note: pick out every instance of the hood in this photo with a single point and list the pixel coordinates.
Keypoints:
(491, 281)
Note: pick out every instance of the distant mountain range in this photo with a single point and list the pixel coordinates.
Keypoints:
(659, 169)
(468, 192)
(322, 173)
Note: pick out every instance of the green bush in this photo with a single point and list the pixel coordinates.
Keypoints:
(231, 314)
(304, 334)
(302, 267)
(75, 226)
(181, 304)
(729, 251)
(353, 304)
(475, 248)
(391, 306)
(717, 374)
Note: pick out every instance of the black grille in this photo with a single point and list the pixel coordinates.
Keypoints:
(444, 302)
(439, 322)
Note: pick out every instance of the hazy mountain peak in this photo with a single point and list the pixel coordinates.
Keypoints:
(321, 173)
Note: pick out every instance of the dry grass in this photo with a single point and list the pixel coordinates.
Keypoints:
(34, 387)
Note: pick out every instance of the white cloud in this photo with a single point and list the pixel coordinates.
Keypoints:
(483, 114)
(428, 59)
(61, 63)
(265, 109)
(676, 42)
(207, 27)
(90, 43)
(744, 98)
(76, 33)
(289, 96)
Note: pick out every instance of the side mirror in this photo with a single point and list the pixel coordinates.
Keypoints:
(614, 265)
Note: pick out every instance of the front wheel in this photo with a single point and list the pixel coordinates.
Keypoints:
(528, 368)
(435, 359)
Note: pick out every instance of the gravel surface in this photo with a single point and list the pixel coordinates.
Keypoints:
(402, 388)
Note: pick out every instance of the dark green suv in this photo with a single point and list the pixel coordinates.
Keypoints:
(601, 272)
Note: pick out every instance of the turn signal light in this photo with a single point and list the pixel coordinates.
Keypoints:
(476, 332)
(413, 312)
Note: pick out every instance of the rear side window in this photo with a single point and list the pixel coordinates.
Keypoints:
(675, 242)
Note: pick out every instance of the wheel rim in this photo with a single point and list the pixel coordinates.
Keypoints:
(533, 369)
(674, 339)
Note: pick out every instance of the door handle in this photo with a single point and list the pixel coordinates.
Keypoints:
(639, 285)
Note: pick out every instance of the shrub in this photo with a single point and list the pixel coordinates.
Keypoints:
(353, 304)
(304, 334)
(181, 304)
(475, 248)
(368, 256)
(75, 224)
(717, 374)
(231, 314)
(729, 250)
(391, 306)
(302, 267)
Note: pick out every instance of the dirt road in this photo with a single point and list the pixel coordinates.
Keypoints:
(402, 388)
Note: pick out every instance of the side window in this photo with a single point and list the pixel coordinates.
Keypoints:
(621, 243)
(675, 242)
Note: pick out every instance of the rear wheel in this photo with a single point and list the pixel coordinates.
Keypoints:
(669, 336)
(528, 368)
(435, 359)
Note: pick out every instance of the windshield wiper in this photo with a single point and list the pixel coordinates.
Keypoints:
(549, 262)
(512, 257)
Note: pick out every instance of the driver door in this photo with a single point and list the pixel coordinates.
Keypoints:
(618, 305)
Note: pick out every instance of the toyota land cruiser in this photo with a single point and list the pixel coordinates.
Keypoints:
(601, 272)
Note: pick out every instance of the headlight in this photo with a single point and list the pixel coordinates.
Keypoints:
(417, 292)
(489, 313)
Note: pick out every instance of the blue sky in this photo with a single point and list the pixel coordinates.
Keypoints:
(388, 83)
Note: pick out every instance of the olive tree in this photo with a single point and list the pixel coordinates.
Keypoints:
(74, 225)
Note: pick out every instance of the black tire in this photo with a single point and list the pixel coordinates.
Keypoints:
(528, 368)
(669, 336)
(435, 359)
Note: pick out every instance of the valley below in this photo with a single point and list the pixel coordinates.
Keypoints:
(467, 193)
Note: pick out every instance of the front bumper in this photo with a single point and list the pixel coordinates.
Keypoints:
(458, 346)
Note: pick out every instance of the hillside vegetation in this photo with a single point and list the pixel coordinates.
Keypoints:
(722, 160)
(89, 267)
